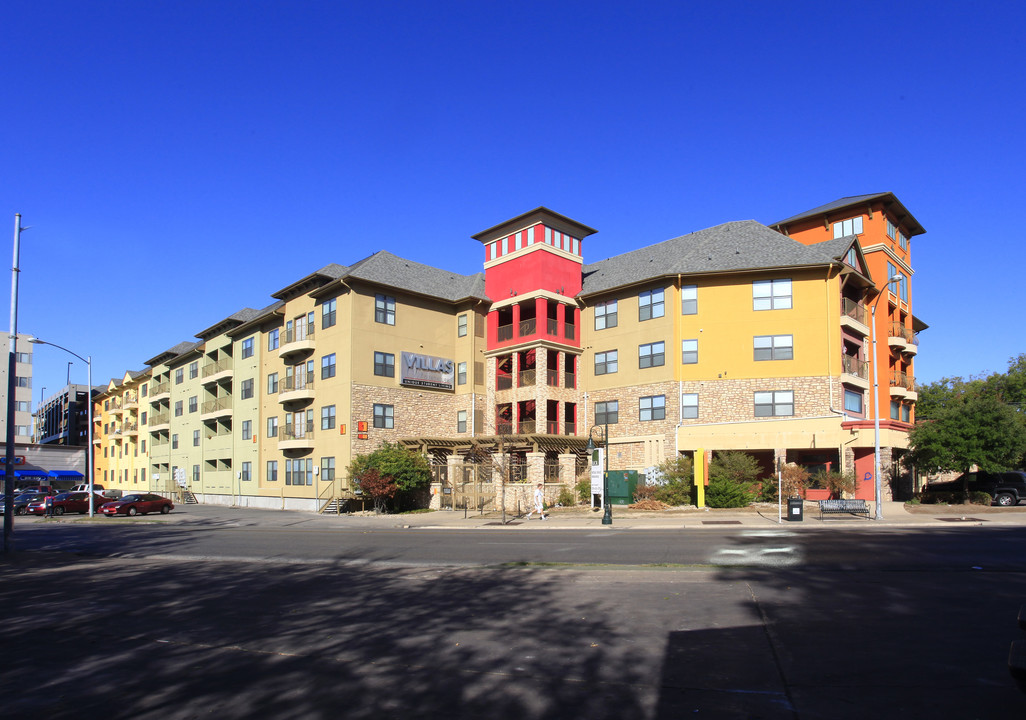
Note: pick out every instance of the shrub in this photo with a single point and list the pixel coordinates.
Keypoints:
(735, 466)
(678, 469)
(675, 492)
(379, 488)
(794, 479)
(583, 489)
(978, 497)
(837, 483)
(565, 497)
(767, 490)
(645, 492)
(723, 493)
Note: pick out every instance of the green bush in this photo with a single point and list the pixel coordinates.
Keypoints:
(728, 494)
(767, 490)
(674, 492)
(565, 497)
(738, 467)
(584, 490)
(978, 497)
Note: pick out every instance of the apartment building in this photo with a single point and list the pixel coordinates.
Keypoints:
(737, 337)
(22, 387)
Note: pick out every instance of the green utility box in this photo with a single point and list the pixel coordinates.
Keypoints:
(622, 484)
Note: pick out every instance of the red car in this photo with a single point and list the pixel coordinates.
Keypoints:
(68, 502)
(138, 504)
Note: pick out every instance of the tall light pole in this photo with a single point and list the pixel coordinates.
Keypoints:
(876, 402)
(12, 356)
(89, 414)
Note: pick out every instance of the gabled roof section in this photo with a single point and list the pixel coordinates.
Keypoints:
(384, 268)
(837, 249)
(731, 247)
(312, 281)
(539, 214)
(259, 317)
(170, 354)
(833, 209)
(223, 326)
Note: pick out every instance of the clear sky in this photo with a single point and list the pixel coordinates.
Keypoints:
(180, 160)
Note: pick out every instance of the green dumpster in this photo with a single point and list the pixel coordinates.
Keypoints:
(622, 484)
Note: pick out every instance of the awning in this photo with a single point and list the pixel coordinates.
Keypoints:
(25, 473)
(65, 474)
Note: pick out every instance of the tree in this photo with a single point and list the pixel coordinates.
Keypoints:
(408, 469)
(379, 488)
(969, 429)
(735, 466)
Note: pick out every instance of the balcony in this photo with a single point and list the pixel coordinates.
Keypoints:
(856, 370)
(297, 341)
(159, 390)
(528, 327)
(503, 428)
(853, 317)
(552, 327)
(292, 438)
(130, 428)
(902, 339)
(527, 427)
(526, 378)
(503, 382)
(570, 380)
(131, 400)
(217, 371)
(903, 386)
(115, 406)
(552, 377)
(552, 427)
(569, 331)
(569, 428)
(160, 421)
(505, 333)
(295, 389)
(216, 408)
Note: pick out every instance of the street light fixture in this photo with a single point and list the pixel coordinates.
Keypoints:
(89, 414)
(876, 401)
(607, 515)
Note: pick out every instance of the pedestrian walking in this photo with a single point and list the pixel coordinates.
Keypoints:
(539, 503)
(48, 505)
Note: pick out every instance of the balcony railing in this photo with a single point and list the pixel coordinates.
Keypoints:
(290, 432)
(526, 427)
(900, 379)
(569, 428)
(552, 427)
(160, 388)
(552, 327)
(298, 334)
(503, 428)
(551, 472)
(221, 403)
(160, 419)
(552, 376)
(215, 368)
(570, 380)
(855, 366)
(568, 331)
(528, 327)
(505, 333)
(503, 382)
(854, 310)
(900, 331)
(526, 378)
(291, 384)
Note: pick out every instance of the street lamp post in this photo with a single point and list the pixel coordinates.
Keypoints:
(89, 414)
(607, 507)
(876, 404)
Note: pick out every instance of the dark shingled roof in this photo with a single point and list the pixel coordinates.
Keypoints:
(387, 269)
(731, 247)
(901, 214)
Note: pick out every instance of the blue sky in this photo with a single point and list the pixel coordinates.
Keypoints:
(180, 160)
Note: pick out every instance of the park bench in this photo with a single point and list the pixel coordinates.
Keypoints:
(843, 507)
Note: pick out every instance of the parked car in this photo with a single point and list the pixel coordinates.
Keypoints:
(84, 487)
(68, 502)
(1007, 488)
(46, 489)
(138, 504)
(21, 502)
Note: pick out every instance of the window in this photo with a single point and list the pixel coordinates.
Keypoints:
(607, 412)
(906, 412)
(174, 443)
(384, 309)
(142, 417)
(195, 438)
(328, 366)
(272, 471)
(145, 389)
(771, 294)
(774, 403)
(179, 376)
(193, 404)
(178, 408)
(273, 338)
(852, 258)
(246, 391)
(851, 226)
(327, 417)
(272, 383)
(891, 230)
(142, 446)
(383, 416)
(902, 241)
(652, 407)
(195, 473)
(299, 471)
(247, 348)
(853, 401)
(605, 362)
(605, 315)
(895, 409)
(689, 406)
(328, 314)
(774, 347)
(247, 429)
(327, 469)
(247, 471)
(461, 325)
(650, 304)
(689, 300)
(461, 373)
(651, 355)
(23, 382)
(689, 351)
(461, 421)
(272, 427)
(194, 370)
(384, 364)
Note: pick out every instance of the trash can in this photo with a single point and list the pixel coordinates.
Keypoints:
(795, 507)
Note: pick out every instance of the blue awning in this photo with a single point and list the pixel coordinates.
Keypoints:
(65, 474)
(25, 473)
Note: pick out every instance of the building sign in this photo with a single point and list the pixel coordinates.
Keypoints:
(427, 371)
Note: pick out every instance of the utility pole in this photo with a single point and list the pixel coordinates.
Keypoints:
(12, 358)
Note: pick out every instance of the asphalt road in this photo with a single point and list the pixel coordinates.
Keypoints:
(250, 619)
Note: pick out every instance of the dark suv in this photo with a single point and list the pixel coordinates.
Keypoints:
(1007, 488)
